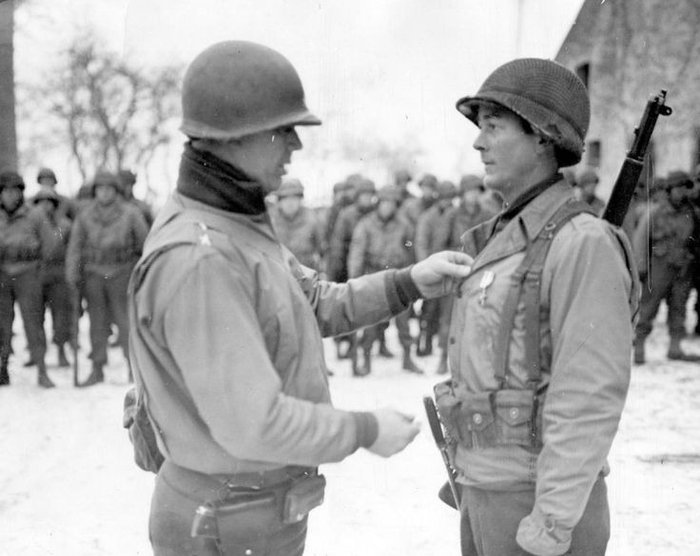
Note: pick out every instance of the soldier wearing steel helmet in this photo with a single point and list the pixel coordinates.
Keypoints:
(381, 241)
(106, 241)
(25, 240)
(67, 208)
(226, 325)
(541, 330)
(663, 245)
(297, 226)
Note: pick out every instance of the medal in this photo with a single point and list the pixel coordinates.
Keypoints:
(486, 281)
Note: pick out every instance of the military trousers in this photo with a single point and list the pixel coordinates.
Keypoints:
(490, 519)
(669, 283)
(57, 297)
(372, 333)
(107, 302)
(175, 500)
(25, 289)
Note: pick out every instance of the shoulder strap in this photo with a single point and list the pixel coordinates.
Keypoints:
(526, 284)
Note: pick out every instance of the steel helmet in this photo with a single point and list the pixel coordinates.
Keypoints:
(237, 88)
(106, 178)
(46, 193)
(544, 93)
(45, 173)
(9, 179)
(389, 193)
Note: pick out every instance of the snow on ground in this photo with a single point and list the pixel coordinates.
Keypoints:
(68, 485)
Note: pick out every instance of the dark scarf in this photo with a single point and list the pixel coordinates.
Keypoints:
(524, 199)
(209, 180)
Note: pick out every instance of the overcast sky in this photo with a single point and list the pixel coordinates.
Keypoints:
(377, 72)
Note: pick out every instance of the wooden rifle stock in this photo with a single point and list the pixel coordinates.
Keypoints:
(628, 177)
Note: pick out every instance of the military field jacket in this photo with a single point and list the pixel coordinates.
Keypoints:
(589, 295)
(25, 240)
(302, 234)
(226, 335)
(378, 245)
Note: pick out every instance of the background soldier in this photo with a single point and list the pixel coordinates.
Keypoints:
(412, 207)
(297, 226)
(540, 367)
(433, 235)
(695, 273)
(664, 251)
(226, 335)
(25, 238)
(55, 291)
(348, 219)
(67, 208)
(343, 196)
(381, 241)
(106, 241)
(587, 184)
(127, 181)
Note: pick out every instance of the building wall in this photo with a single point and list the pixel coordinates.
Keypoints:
(635, 48)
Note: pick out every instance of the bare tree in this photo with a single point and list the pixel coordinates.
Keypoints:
(8, 136)
(107, 112)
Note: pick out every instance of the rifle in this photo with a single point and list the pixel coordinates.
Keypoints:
(439, 436)
(626, 182)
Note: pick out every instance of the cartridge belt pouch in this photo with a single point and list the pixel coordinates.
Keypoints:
(495, 418)
(246, 517)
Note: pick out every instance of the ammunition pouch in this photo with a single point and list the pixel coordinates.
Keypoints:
(485, 419)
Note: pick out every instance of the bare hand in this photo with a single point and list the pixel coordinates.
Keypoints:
(396, 431)
(440, 273)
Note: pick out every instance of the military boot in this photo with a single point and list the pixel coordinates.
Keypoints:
(408, 364)
(62, 359)
(383, 350)
(442, 366)
(44, 381)
(366, 367)
(677, 354)
(96, 376)
(4, 375)
(639, 358)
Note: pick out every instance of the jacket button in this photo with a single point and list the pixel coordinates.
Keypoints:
(477, 418)
(514, 412)
(453, 340)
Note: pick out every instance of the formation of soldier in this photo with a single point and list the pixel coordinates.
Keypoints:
(368, 229)
(58, 254)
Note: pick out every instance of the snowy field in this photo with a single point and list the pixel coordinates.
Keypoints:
(68, 485)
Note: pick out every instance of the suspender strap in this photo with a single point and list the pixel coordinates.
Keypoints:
(526, 285)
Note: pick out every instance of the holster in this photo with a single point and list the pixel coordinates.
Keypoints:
(245, 518)
(493, 418)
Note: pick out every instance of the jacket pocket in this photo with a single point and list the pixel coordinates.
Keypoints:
(518, 418)
(478, 423)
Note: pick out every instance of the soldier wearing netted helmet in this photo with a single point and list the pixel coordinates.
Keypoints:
(227, 324)
(541, 329)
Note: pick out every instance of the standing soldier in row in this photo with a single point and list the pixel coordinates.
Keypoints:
(67, 208)
(587, 184)
(337, 262)
(297, 226)
(432, 236)
(541, 330)
(106, 241)
(662, 245)
(25, 238)
(412, 207)
(55, 291)
(127, 180)
(381, 241)
(343, 196)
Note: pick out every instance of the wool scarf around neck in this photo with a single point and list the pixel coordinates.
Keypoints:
(209, 180)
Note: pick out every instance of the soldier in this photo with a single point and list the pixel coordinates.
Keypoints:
(343, 196)
(587, 183)
(433, 235)
(67, 208)
(402, 178)
(55, 291)
(695, 201)
(383, 240)
(127, 180)
(662, 245)
(106, 241)
(541, 330)
(297, 226)
(226, 336)
(25, 238)
(470, 212)
(412, 207)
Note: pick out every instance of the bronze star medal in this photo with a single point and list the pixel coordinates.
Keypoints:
(486, 281)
